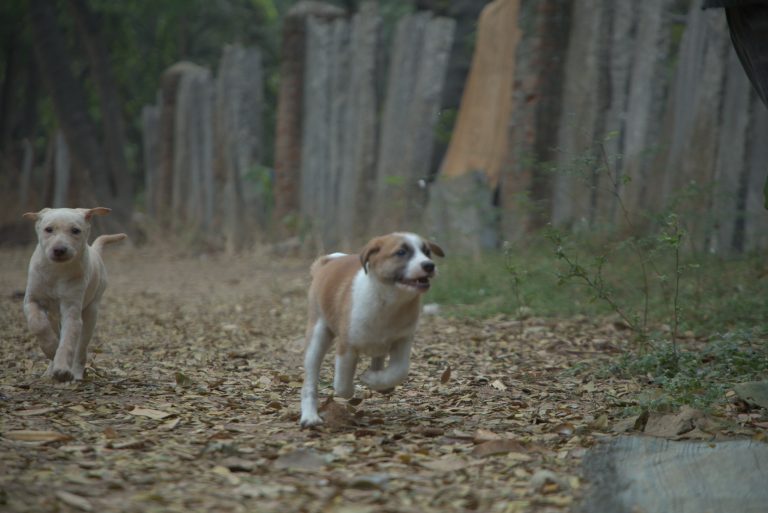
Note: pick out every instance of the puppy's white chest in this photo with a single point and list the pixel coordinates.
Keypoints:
(373, 322)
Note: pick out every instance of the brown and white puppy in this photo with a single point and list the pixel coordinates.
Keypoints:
(65, 282)
(370, 303)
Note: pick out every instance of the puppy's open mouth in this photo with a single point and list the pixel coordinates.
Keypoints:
(421, 283)
(60, 258)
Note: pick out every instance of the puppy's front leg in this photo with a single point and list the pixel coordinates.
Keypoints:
(344, 377)
(71, 330)
(396, 370)
(40, 326)
(318, 341)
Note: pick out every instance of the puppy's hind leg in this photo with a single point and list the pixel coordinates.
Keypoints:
(90, 314)
(344, 377)
(318, 341)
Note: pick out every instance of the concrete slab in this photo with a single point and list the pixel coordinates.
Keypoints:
(652, 475)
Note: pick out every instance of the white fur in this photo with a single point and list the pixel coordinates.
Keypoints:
(65, 283)
(414, 269)
(319, 342)
(370, 332)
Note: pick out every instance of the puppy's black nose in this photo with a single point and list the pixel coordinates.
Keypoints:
(59, 252)
(428, 266)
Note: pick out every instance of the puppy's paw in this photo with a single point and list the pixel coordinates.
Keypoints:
(78, 372)
(373, 379)
(310, 419)
(62, 375)
(345, 392)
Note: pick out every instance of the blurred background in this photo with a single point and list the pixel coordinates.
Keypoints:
(310, 126)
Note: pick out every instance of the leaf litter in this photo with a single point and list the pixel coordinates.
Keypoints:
(191, 403)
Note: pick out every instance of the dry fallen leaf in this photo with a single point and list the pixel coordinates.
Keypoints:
(498, 385)
(300, 459)
(34, 411)
(494, 447)
(566, 429)
(447, 464)
(335, 415)
(75, 501)
(169, 424)
(446, 375)
(484, 435)
(27, 435)
(148, 412)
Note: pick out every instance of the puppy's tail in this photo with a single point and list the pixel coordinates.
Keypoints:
(103, 240)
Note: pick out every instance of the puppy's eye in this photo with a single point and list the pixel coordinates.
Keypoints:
(48, 229)
(76, 231)
(426, 252)
(401, 252)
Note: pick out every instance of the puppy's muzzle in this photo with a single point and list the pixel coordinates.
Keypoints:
(60, 254)
(420, 283)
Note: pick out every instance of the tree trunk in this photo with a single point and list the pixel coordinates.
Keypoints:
(358, 127)
(111, 114)
(238, 145)
(69, 98)
(526, 185)
(9, 84)
(288, 142)
(61, 173)
(418, 62)
(150, 132)
(461, 213)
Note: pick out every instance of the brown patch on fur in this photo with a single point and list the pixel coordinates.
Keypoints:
(329, 294)
(384, 263)
(434, 248)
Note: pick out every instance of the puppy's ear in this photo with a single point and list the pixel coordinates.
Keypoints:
(34, 216)
(98, 211)
(434, 248)
(370, 249)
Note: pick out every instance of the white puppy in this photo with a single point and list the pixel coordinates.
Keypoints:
(65, 282)
(370, 303)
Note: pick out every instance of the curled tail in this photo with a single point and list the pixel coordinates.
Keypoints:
(103, 240)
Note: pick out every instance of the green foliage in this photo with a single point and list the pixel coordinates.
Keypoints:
(444, 126)
(715, 295)
(765, 194)
(699, 376)
(502, 283)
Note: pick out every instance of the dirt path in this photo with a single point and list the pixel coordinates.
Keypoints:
(191, 403)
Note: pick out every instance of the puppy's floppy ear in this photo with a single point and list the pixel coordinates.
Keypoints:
(434, 248)
(370, 249)
(34, 216)
(97, 211)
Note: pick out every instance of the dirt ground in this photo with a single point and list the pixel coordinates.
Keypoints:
(191, 403)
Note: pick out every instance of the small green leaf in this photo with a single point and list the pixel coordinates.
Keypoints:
(765, 194)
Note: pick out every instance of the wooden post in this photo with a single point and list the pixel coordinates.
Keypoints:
(417, 69)
(288, 136)
(238, 136)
